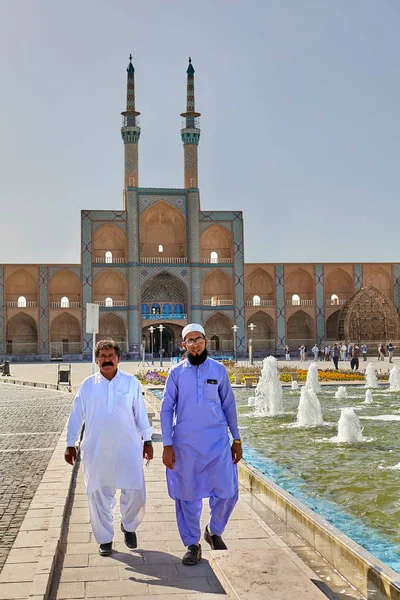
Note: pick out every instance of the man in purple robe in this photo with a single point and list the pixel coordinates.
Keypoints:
(197, 410)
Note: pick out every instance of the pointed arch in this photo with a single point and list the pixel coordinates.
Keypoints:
(109, 283)
(22, 334)
(300, 329)
(379, 279)
(368, 315)
(299, 282)
(162, 224)
(218, 239)
(164, 287)
(259, 283)
(217, 284)
(109, 238)
(218, 328)
(21, 283)
(338, 282)
(65, 328)
(332, 326)
(65, 283)
(112, 327)
(263, 335)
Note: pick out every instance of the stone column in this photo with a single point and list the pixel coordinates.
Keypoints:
(280, 308)
(358, 277)
(319, 303)
(86, 257)
(44, 342)
(2, 314)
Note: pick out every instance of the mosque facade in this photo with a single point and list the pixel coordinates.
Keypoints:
(162, 260)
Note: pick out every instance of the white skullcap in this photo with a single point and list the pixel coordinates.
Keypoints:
(192, 327)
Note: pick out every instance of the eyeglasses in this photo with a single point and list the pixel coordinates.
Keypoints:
(196, 341)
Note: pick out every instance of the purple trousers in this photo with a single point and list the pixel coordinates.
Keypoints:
(188, 513)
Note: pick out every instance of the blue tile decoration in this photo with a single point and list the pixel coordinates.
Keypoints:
(86, 254)
(44, 347)
(358, 277)
(319, 302)
(195, 314)
(152, 270)
(134, 315)
(280, 308)
(396, 286)
(147, 200)
(193, 226)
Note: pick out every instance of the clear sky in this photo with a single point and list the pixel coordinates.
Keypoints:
(300, 119)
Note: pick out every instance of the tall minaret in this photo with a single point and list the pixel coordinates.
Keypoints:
(190, 133)
(130, 131)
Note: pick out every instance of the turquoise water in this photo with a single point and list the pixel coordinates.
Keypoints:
(356, 487)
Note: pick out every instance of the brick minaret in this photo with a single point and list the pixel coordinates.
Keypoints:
(130, 131)
(190, 133)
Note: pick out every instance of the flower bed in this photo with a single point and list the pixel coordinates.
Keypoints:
(152, 377)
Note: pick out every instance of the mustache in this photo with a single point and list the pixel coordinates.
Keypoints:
(108, 363)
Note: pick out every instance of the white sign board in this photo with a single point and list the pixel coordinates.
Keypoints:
(92, 318)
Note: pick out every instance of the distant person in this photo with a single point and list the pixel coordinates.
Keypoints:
(302, 353)
(364, 350)
(315, 351)
(335, 356)
(343, 351)
(354, 363)
(381, 352)
(349, 351)
(390, 349)
(287, 352)
(305, 351)
(327, 353)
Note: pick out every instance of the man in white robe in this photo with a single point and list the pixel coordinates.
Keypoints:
(111, 406)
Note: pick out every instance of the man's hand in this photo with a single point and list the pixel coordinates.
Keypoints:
(70, 455)
(148, 451)
(237, 452)
(168, 457)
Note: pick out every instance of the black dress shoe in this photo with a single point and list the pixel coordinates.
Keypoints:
(193, 555)
(105, 549)
(130, 538)
(216, 542)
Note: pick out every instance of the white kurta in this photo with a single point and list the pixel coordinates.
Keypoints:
(115, 420)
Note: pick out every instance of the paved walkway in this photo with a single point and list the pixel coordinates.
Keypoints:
(47, 372)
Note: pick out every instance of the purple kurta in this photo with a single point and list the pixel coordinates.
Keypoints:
(197, 409)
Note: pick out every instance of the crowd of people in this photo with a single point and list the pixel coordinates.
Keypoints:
(342, 352)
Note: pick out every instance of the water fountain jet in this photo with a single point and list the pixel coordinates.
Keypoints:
(295, 385)
(309, 413)
(269, 399)
(394, 379)
(370, 377)
(341, 393)
(349, 428)
(312, 377)
(368, 397)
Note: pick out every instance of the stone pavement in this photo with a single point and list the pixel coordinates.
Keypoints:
(31, 421)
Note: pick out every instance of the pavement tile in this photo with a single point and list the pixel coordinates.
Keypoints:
(116, 559)
(17, 572)
(76, 560)
(183, 585)
(115, 588)
(12, 591)
(89, 574)
(21, 555)
(69, 591)
(30, 540)
(144, 571)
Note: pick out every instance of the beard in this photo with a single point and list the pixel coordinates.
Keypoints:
(197, 359)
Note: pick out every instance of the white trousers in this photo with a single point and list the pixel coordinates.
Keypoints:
(101, 505)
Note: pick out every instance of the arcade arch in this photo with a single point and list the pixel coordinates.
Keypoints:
(218, 328)
(65, 284)
(21, 283)
(379, 279)
(332, 324)
(259, 283)
(217, 288)
(300, 329)
(109, 244)
(109, 283)
(216, 245)
(112, 327)
(66, 329)
(263, 335)
(21, 335)
(164, 294)
(300, 283)
(162, 225)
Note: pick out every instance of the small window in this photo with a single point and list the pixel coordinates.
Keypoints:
(160, 248)
(256, 301)
(296, 300)
(214, 257)
(109, 302)
(108, 257)
(334, 299)
(64, 302)
(22, 302)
